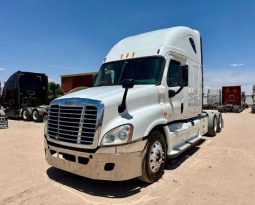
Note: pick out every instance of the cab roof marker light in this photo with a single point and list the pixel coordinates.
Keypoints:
(127, 55)
(133, 54)
(121, 56)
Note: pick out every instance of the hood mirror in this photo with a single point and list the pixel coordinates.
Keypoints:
(128, 83)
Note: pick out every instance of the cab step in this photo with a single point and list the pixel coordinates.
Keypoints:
(177, 151)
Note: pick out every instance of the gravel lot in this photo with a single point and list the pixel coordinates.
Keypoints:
(219, 170)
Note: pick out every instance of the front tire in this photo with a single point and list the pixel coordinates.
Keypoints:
(155, 158)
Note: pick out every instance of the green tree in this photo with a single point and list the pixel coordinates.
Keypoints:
(54, 91)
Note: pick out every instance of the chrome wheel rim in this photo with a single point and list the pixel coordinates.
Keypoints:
(35, 115)
(156, 156)
(25, 114)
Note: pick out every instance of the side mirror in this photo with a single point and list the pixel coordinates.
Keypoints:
(171, 93)
(128, 83)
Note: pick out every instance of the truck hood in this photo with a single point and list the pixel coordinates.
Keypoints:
(109, 93)
(96, 93)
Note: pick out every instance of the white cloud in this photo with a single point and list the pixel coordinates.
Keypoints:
(50, 80)
(236, 64)
(1, 69)
(218, 78)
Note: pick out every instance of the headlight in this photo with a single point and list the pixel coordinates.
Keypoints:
(119, 135)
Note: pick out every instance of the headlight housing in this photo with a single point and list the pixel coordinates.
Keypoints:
(119, 135)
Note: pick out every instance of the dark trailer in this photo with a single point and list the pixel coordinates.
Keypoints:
(24, 94)
(232, 99)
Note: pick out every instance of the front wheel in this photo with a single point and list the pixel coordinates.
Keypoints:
(155, 158)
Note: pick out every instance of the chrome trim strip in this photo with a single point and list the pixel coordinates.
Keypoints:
(81, 125)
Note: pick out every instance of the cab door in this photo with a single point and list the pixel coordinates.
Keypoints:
(177, 82)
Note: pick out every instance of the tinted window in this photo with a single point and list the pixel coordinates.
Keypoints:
(142, 70)
(174, 74)
(33, 82)
(177, 74)
(192, 43)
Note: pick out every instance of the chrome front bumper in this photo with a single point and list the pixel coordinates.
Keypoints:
(108, 163)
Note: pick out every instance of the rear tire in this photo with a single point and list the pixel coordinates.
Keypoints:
(37, 115)
(155, 158)
(212, 125)
(26, 114)
(219, 122)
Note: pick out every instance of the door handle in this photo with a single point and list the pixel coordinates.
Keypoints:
(181, 108)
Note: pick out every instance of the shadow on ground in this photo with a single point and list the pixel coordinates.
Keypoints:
(112, 189)
(101, 188)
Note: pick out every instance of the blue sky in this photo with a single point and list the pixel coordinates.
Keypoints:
(65, 36)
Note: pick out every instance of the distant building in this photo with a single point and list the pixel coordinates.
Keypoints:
(69, 82)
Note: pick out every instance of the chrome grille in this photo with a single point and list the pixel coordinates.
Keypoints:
(72, 124)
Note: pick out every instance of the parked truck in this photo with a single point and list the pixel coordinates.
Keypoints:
(146, 106)
(25, 95)
(253, 99)
(232, 99)
(3, 118)
(214, 99)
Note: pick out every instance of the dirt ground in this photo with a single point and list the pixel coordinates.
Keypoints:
(219, 170)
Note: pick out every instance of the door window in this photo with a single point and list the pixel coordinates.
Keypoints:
(177, 74)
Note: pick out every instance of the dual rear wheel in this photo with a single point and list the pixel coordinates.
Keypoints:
(35, 114)
(215, 123)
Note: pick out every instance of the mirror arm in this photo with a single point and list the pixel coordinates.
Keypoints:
(173, 93)
(179, 90)
(122, 106)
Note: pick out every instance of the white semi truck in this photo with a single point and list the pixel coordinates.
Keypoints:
(145, 107)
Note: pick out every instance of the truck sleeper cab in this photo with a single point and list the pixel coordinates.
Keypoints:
(146, 106)
(24, 94)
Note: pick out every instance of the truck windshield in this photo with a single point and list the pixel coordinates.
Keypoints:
(141, 70)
